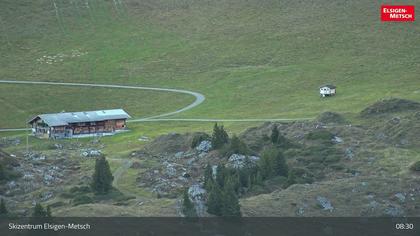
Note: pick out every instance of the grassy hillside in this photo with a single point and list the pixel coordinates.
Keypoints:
(252, 59)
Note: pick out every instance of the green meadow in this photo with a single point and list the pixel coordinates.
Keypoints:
(251, 59)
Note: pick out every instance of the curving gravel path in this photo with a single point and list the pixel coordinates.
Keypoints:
(199, 98)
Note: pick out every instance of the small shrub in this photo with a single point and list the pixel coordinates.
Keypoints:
(300, 176)
(315, 166)
(331, 159)
(337, 167)
(198, 138)
(322, 154)
(67, 195)
(81, 189)
(57, 204)
(236, 146)
(322, 135)
(82, 199)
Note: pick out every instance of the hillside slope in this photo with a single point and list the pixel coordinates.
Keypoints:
(252, 59)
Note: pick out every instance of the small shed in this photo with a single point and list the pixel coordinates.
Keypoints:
(327, 90)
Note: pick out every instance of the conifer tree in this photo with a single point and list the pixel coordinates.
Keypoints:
(266, 164)
(187, 206)
(230, 203)
(274, 134)
(279, 164)
(48, 213)
(291, 178)
(220, 175)
(214, 201)
(273, 163)
(102, 177)
(258, 178)
(224, 137)
(39, 211)
(2, 172)
(208, 177)
(3, 209)
(236, 146)
(219, 137)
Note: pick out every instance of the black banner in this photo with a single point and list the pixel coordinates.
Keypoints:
(266, 226)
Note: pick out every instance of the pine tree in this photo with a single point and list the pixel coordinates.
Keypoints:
(48, 213)
(102, 177)
(243, 175)
(39, 211)
(214, 201)
(291, 178)
(258, 179)
(187, 206)
(219, 137)
(224, 137)
(220, 175)
(237, 146)
(2, 172)
(274, 134)
(208, 177)
(272, 164)
(283, 142)
(215, 142)
(230, 203)
(279, 164)
(3, 209)
(266, 164)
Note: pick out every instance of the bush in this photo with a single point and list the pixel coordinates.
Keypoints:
(188, 206)
(80, 189)
(198, 138)
(321, 154)
(3, 209)
(273, 163)
(82, 199)
(236, 146)
(300, 176)
(76, 191)
(274, 134)
(40, 211)
(337, 167)
(219, 137)
(322, 135)
(57, 204)
(332, 158)
(6, 171)
(415, 166)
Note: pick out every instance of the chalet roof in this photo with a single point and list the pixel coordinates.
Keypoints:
(65, 118)
(328, 86)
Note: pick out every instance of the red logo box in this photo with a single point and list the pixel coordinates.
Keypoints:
(397, 13)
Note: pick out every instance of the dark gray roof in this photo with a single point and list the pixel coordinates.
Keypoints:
(65, 118)
(329, 86)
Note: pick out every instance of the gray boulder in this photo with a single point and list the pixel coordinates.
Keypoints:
(394, 211)
(196, 192)
(325, 203)
(238, 161)
(400, 197)
(204, 146)
(349, 153)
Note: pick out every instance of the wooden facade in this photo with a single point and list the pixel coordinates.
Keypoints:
(80, 124)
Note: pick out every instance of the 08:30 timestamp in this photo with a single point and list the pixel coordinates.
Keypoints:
(404, 226)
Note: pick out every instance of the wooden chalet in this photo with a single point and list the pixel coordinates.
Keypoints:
(79, 124)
